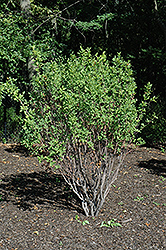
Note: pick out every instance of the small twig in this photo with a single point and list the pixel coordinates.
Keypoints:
(124, 221)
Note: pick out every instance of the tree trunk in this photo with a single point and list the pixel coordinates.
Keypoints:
(26, 8)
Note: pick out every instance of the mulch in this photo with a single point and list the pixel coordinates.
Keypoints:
(39, 211)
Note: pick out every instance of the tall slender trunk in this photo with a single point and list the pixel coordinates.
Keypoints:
(26, 8)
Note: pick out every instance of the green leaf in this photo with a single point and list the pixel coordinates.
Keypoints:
(110, 223)
(85, 222)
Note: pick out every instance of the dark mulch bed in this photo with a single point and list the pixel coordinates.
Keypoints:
(37, 209)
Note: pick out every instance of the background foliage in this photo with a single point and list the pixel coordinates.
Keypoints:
(134, 28)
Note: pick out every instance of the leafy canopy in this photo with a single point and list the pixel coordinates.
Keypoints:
(83, 99)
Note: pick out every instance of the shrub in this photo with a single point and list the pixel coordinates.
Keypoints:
(82, 117)
(155, 132)
(13, 126)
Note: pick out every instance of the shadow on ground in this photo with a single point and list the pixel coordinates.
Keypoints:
(27, 190)
(17, 148)
(154, 145)
(157, 167)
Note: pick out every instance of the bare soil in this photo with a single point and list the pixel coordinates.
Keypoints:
(39, 211)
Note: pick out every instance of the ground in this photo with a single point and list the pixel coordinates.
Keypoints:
(38, 211)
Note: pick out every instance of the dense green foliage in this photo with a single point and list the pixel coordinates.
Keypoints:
(155, 131)
(137, 29)
(82, 117)
(16, 43)
(12, 124)
(76, 98)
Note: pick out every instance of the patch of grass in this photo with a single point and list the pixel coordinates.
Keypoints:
(57, 180)
(110, 223)
(162, 178)
(82, 222)
(155, 203)
(162, 150)
(139, 199)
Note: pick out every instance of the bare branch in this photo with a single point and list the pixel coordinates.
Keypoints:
(56, 15)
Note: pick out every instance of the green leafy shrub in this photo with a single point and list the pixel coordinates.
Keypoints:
(16, 42)
(155, 132)
(14, 51)
(82, 117)
(14, 46)
(13, 126)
